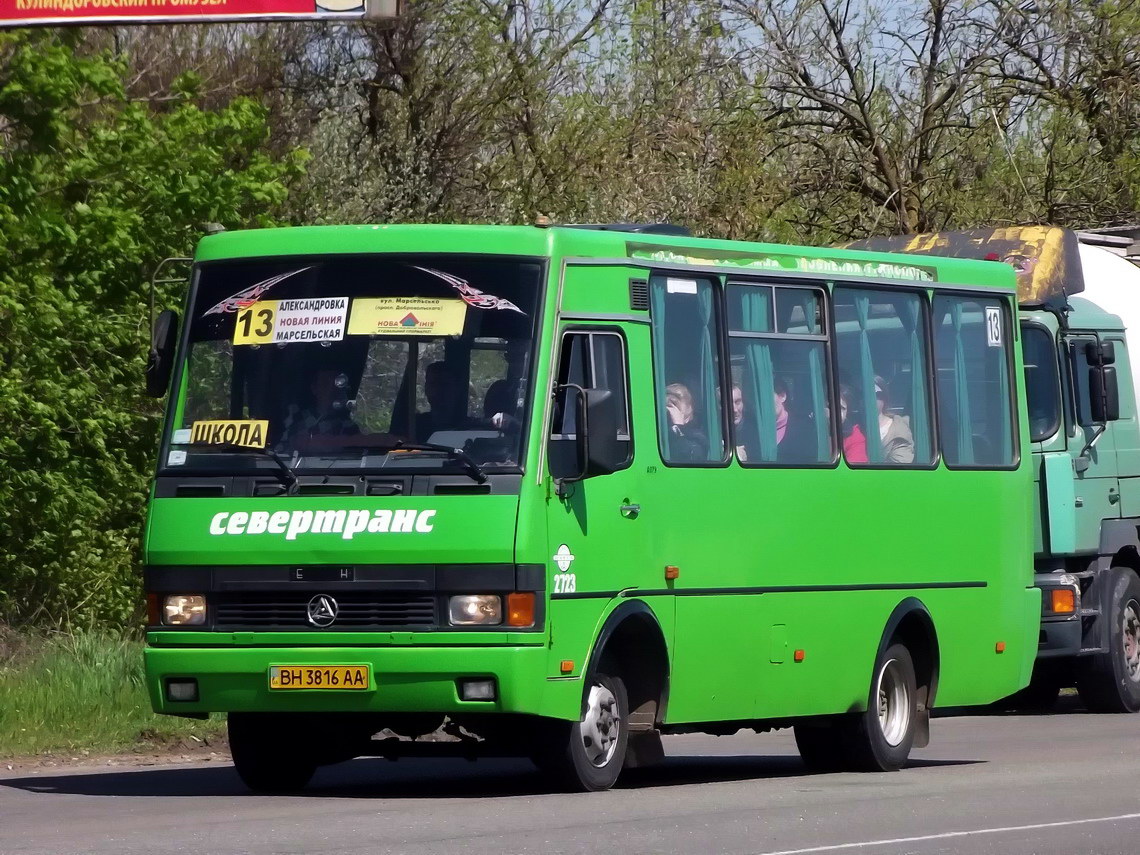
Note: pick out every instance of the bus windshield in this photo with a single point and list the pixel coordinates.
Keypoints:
(333, 363)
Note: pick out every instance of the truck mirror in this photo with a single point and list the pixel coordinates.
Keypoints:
(1104, 393)
(1100, 353)
(163, 343)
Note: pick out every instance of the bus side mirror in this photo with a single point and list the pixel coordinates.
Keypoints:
(1104, 393)
(603, 452)
(163, 343)
(593, 448)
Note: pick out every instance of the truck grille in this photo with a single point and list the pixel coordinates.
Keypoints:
(357, 609)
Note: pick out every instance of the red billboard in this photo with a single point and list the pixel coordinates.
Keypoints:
(17, 13)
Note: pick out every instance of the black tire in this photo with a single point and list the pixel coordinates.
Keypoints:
(267, 757)
(567, 751)
(1110, 682)
(821, 746)
(868, 747)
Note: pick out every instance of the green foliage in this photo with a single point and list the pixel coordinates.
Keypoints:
(80, 692)
(94, 190)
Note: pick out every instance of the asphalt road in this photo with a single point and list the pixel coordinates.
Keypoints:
(1066, 783)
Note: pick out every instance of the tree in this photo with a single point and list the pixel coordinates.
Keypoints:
(94, 190)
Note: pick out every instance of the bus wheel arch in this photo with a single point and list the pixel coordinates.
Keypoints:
(901, 690)
(631, 640)
(623, 686)
(911, 625)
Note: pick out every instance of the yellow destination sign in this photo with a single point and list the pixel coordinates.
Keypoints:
(317, 319)
(248, 433)
(406, 316)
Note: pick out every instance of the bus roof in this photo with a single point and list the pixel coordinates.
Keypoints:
(572, 242)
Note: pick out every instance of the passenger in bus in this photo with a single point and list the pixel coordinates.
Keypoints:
(744, 429)
(447, 402)
(687, 442)
(795, 433)
(894, 430)
(501, 403)
(854, 442)
(328, 411)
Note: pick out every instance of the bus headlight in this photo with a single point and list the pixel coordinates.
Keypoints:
(183, 610)
(475, 610)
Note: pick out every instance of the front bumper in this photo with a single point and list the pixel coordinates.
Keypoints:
(1059, 638)
(404, 679)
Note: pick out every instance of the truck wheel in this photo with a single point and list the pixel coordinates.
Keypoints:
(879, 740)
(267, 755)
(588, 755)
(1110, 682)
(821, 746)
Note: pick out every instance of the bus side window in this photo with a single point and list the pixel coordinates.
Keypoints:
(592, 360)
(778, 347)
(884, 377)
(686, 370)
(975, 412)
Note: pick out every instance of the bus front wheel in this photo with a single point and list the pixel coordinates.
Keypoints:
(267, 756)
(880, 739)
(588, 755)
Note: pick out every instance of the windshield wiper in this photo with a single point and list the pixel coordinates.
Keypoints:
(284, 472)
(288, 476)
(457, 454)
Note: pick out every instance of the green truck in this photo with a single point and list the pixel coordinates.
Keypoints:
(557, 491)
(1078, 297)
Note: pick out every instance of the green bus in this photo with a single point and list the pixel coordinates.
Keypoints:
(556, 491)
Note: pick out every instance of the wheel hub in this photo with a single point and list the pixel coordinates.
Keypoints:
(1130, 632)
(894, 703)
(600, 726)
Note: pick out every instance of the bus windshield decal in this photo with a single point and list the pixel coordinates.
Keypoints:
(248, 296)
(783, 262)
(471, 295)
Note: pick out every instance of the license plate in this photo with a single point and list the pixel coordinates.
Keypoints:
(319, 677)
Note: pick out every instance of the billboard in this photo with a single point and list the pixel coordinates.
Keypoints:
(24, 13)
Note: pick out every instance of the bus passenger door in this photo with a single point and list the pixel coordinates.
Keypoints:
(596, 535)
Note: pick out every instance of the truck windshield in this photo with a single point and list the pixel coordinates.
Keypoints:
(334, 363)
(1042, 384)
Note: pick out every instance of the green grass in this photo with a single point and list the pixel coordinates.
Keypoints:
(67, 693)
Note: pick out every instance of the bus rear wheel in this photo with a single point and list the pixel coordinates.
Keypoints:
(880, 739)
(1110, 681)
(588, 755)
(268, 756)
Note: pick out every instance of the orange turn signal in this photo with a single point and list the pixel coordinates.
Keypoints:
(520, 609)
(1063, 601)
(672, 572)
(567, 666)
(999, 647)
(798, 656)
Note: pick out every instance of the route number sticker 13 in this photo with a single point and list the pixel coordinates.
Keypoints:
(993, 326)
(255, 323)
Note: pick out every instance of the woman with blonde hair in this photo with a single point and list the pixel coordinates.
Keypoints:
(687, 442)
